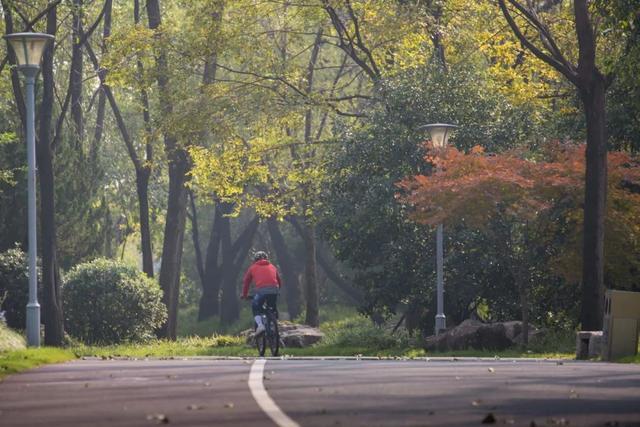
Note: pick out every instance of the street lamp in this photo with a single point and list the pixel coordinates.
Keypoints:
(439, 133)
(28, 48)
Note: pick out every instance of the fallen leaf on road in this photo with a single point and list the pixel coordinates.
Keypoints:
(458, 378)
(558, 421)
(158, 418)
(491, 370)
(194, 407)
(489, 419)
(207, 384)
(171, 377)
(476, 402)
(573, 394)
(229, 405)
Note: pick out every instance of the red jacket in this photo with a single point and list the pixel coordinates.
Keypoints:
(263, 274)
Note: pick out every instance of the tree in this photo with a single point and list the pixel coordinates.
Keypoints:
(52, 303)
(391, 255)
(179, 164)
(522, 200)
(591, 84)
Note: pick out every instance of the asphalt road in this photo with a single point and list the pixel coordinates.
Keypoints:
(207, 392)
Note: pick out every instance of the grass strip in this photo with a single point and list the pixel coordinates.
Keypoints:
(235, 347)
(12, 362)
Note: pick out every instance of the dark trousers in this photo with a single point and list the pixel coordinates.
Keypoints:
(259, 300)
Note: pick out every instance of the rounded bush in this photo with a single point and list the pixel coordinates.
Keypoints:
(14, 287)
(107, 302)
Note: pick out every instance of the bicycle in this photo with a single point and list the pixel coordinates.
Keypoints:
(271, 335)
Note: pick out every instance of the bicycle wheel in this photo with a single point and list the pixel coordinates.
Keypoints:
(274, 336)
(261, 343)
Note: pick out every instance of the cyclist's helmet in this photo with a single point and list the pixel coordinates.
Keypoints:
(260, 255)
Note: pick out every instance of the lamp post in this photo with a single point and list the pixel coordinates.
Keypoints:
(439, 133)
(28, 48)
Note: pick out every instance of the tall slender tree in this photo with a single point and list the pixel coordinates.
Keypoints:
(591, 84)
(179, 164)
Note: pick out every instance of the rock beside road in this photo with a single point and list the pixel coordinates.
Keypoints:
(478, 335)
(292, 335)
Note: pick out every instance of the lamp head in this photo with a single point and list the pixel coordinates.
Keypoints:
(439, 133)
(28, 47)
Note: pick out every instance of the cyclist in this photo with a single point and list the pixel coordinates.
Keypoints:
(267, 284)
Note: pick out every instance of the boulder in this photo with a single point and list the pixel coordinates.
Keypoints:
(292, 335)
(478, 335)
(299, 336)
(588, 344)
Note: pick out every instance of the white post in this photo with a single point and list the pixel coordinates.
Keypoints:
(441, 320)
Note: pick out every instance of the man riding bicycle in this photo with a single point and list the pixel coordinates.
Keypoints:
(267, 285)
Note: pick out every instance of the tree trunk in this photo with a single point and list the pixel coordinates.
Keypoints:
(179, 165)
(172, 246)
(108, 231)
(523, 293)
(591, 85)
(143, 171)
(210, 300)
(290, 285)
(142, 187)
(52, 307)
(75, 76)
(195, 235)
(593, 99)
(311, 283)
(230, 311)
(229, 301)
(436, 35)
(353, 293)
(102, 100)
(15, 74)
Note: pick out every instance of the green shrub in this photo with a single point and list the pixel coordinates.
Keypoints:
(107, 302)
(358, 331)
(14, 286)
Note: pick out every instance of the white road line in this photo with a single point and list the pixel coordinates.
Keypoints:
(263, 399)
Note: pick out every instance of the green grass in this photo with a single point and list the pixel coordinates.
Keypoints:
(12, 362)
(189, 326)
(221, 345)
(630, 359)
(346, 334)
(15, 357)
(184, 348)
